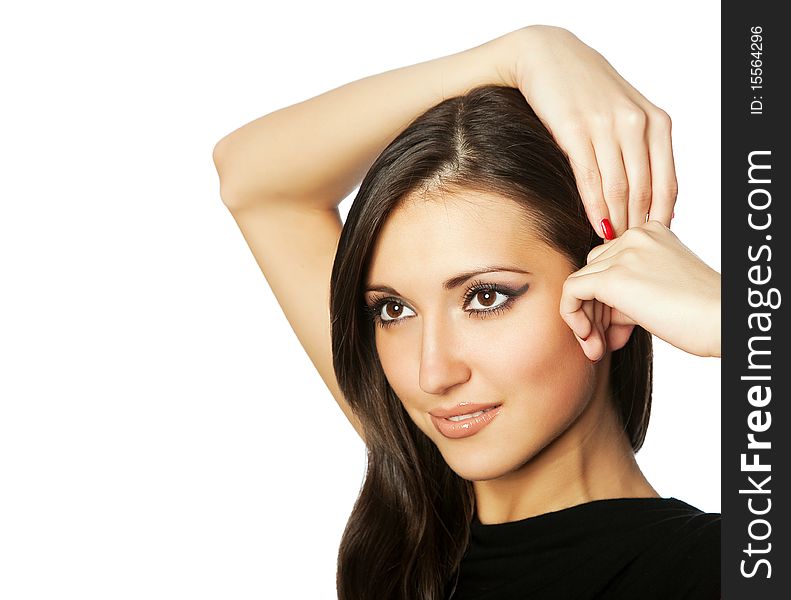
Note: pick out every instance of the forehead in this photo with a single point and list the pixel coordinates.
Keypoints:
(453, 232)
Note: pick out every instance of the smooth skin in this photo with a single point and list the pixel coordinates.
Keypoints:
(283, 175)
(557, 440)
(646, 277)
(618, 143)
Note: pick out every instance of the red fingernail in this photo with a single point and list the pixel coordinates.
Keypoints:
(606, 228)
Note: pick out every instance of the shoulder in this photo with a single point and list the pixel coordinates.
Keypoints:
(697, 541)
(681, 553)
(690, 532)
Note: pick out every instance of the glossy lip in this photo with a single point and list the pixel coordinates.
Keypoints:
(467, 427)
(462, 408)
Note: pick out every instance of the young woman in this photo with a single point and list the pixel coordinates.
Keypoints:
(501, 447)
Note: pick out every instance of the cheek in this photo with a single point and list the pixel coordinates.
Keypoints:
(401, 365)
(538, 361)
(397, 355)
(534, 354)
(544, 349)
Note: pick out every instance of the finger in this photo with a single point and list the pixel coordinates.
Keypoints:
(664, 186)
(587, 285)
(600, 328)
(588, 310)
(576, 290)
(575, 317)
(575, 311)
(597, 266)
(586, 171)
(606, 316)
(614, 182)
(608, 281)
(618, 335)
(597, 312)
(602, 250)
(638, 171)
(617, 328)
(594, 346)
(589, 347)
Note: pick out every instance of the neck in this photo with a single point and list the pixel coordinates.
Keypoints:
(592, 460)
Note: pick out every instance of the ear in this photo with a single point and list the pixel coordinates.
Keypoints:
(617, 336)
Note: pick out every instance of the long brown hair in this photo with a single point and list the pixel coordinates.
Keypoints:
(409, 527)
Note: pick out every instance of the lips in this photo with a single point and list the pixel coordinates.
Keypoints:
(462, 408)
(465, 427)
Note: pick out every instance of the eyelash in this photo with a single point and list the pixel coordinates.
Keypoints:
(472, 290)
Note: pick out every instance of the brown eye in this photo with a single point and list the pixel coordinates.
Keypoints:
(487, 299)
(391, 311)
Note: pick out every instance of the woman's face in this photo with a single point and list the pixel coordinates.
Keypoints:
(516, 351)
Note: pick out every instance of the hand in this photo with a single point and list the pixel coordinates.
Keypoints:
(646, 277)
(618, 143)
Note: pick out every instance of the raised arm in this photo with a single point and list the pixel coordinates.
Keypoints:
(314, 153)
(283, 175)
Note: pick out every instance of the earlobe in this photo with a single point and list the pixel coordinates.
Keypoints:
(617, 336)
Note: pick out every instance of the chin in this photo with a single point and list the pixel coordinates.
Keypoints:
(476, 466)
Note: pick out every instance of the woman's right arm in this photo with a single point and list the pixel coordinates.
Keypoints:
(283, 175)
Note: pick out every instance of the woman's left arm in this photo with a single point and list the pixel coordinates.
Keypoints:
(646, 277)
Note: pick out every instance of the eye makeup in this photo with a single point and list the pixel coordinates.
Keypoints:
(475, 288)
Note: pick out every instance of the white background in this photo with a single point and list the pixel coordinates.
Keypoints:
(162, 432)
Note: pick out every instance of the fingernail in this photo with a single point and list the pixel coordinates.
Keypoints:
(673, 216)
(606, 228)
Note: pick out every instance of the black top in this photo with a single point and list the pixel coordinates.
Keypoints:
(632, 548)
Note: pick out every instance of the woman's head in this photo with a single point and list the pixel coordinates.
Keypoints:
(493, 338)
(473, 183)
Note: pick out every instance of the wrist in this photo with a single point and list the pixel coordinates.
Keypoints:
(489, 63)
(505, 54)
(529, 42)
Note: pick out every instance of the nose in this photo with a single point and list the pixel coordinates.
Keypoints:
(442, 363)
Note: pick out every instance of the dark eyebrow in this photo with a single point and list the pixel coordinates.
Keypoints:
(454, 281)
